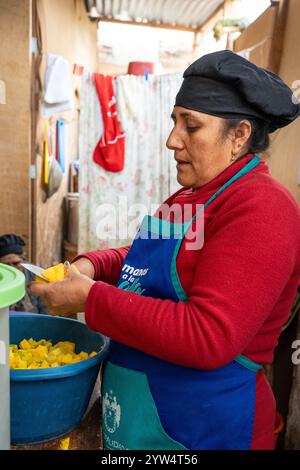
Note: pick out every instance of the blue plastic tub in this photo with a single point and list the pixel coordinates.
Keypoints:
(48, 403)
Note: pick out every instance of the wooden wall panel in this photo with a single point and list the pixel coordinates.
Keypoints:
(258, 37)
(284, 164)
(292, 437)
(286, 161)
(15, 70)
(284, 151)
(66, 31)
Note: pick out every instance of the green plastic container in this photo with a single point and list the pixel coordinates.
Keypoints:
(12, 289)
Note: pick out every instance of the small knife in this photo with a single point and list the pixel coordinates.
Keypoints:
(35, 270)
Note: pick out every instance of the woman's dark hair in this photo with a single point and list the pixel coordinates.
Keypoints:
(259, 140)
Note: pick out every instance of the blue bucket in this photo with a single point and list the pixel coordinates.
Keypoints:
(48, 403)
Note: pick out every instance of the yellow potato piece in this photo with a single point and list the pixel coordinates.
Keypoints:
(65, 359)
(51, 359)
(32, 354)
(55, 351)
(22, 364)
(84, 355)
(32, 343)
(55, 273)
(76, 359)
(28, 357)
(39, 354)
(13, 362)
(25, 344)
(64, 443)
(66, 346)
(45, 365)
(34, 365)
(44, 342)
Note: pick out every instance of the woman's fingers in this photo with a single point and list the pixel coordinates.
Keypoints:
(68, 295)
(38, 288)
(53, 293)
(65, 310)
(70, 272)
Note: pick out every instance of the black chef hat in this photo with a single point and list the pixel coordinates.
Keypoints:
(225, 84)
(11, 243)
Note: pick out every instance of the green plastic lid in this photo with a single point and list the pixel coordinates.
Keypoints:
(12, 285)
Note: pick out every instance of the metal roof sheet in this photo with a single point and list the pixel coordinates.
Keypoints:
(185, 13)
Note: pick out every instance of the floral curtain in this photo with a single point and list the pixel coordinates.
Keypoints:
(111, 205)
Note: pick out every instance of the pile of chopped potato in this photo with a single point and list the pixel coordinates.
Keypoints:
(31, 354)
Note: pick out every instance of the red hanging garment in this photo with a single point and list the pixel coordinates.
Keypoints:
(110, 150)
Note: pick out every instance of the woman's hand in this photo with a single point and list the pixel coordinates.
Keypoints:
(85, 266)
(65, 297)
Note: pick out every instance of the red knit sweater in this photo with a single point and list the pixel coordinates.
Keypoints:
(240, 285)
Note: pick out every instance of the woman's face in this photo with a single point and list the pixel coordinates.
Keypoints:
(13, 260)
(201, 151)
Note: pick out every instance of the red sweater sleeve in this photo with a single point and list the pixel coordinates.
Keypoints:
(107, 263)
(250, 252)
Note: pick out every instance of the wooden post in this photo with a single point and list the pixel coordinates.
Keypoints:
(35, 90)
(278, 35)
(292, 435)
(196, 43)
(15, 118)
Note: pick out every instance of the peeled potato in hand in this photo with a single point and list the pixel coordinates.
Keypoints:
(55, 273)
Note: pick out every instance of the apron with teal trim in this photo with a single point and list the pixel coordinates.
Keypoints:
(152, 404)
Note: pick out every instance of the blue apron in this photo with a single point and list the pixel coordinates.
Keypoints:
(152, 404)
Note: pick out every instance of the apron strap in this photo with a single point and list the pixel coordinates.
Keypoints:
(250, 165)
(246, 362)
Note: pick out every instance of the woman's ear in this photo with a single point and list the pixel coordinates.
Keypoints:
(242, 134)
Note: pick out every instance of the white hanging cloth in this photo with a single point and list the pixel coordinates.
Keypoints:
(108, 201)
(58, 93)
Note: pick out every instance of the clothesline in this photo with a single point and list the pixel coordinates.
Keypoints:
(246, 52)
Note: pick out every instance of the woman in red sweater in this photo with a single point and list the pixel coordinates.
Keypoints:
(194, 307)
